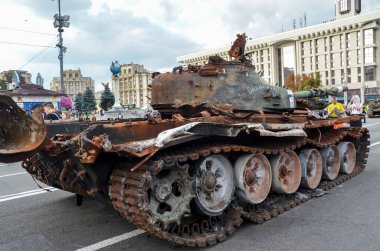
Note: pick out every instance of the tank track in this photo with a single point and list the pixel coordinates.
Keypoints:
(126, 189)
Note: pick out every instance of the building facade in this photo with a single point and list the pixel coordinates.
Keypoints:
(134, 85)
(344, 51)
(74, 83)
(30, 96)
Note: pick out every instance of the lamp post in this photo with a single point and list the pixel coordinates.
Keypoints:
(60, 22)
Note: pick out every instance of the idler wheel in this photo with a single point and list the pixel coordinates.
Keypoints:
(311, 163)
(286, 172)
(214, 184)
(253, 178)
(330, 162)
(347, 153)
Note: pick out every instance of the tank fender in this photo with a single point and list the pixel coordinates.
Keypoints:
(167, 135)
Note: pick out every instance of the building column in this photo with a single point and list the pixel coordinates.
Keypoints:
(117, 93)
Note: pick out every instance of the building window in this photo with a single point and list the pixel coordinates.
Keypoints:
(368, 37)
(344, 6)
(369, 73)
(332, 73)
(359, 78)
(358, 39)
(332, 41)
(368, 55)
(327, 82)
(348, 57)
(348, 40)
(311, 63)
(341, 59)
(311, 47)
(359, 57)
(333, 81)
(341, 41)
(316, 45)
(327, 74)
(359, 70)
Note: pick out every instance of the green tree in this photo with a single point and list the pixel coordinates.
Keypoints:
(89, 103)
(303, 82)
(78, 102)
(107, 99)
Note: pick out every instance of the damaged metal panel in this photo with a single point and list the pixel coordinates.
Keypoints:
(21, 135)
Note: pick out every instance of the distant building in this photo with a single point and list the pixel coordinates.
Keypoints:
(74, 83)
(134, 82)
(30, 96)
(344, 51)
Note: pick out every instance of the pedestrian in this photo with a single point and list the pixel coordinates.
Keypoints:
(66, 115)
(335, 109)
(365, 110)
(356, 108)
(51, 113)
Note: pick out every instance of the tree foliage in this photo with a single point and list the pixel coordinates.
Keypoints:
(78, 102)
(89, 103)
(303, 82)
(107, 99)
(66, 103)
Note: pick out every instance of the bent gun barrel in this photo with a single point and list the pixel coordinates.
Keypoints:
(21, 135)
(321, 92)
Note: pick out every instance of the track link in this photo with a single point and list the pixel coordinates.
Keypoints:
(127, 190)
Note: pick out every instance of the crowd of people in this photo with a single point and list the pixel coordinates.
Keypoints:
(51, 113)
(353, 108)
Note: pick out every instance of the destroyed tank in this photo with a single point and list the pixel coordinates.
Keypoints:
(229, 147)
(373, 108)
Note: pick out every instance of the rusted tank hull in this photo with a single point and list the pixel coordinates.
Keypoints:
(190, 181)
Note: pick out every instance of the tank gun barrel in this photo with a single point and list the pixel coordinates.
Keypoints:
(20, 134)
(320, 92)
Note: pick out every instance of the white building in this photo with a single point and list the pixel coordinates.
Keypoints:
(343, 51)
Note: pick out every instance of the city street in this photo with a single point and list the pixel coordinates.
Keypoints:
(346, 218)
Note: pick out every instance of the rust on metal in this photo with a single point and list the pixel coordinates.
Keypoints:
(167, 175)
(21, 135)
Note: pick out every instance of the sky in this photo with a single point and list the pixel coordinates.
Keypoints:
(148, 32)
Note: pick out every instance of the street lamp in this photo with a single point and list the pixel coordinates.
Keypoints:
(60, 22)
